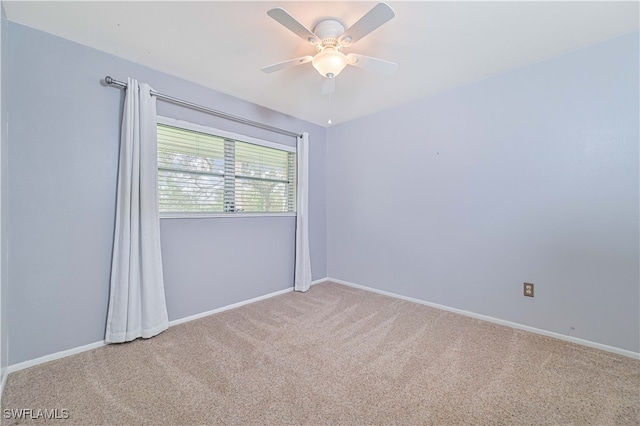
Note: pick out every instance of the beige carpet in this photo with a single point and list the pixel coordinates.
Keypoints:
(335, 355)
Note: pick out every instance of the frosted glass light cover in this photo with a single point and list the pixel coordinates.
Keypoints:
(329, 61)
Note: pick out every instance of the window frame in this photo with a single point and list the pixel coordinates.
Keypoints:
(226, 135)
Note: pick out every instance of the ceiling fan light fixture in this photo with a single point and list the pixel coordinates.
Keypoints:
(329, 61)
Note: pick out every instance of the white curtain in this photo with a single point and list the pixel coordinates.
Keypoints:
(302, 276)
(137, 306)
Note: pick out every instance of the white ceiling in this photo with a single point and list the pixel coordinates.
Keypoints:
(222, 45)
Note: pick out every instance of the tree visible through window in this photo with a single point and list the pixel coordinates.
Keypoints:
(204, 173)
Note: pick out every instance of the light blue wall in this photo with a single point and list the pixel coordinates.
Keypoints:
(4, 290)
(63, 149)
(528, 176)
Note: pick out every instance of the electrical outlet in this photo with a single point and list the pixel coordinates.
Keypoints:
(528, 289)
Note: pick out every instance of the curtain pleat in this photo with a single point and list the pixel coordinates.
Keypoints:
(137, 306)
(302, 276)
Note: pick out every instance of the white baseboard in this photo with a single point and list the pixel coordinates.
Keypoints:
(226, 308)
(54, 356)
(3, 381)
(62, 354)
(583, 342)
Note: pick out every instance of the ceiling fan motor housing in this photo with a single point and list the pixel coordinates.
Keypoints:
(328, 31)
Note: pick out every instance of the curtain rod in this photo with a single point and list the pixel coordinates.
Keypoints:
(112, 82)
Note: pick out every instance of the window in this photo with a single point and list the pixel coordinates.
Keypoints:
(205, 171)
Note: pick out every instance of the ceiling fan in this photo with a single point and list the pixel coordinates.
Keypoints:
(330, 37)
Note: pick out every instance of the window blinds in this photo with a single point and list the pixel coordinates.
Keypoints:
(204, 173)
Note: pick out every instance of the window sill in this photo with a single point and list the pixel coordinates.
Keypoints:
(218, 215)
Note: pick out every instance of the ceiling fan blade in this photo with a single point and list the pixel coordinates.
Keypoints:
(377, 16)
(282, 16)
(328, 86)
(372, 64)
(287, 64)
